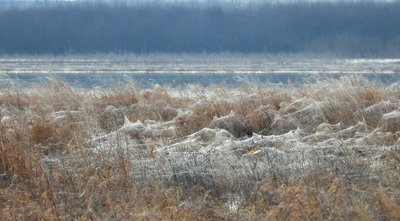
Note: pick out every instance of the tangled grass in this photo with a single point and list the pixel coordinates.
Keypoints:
(49, 170)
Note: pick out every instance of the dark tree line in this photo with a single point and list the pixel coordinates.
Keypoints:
(342, 29)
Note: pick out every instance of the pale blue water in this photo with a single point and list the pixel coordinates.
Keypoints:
(88, 81)
(181, 70)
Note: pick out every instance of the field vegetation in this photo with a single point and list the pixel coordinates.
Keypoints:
(327, 151)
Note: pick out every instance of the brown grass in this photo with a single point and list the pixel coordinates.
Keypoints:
(48, 172)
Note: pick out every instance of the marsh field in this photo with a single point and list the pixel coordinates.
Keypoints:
(199, 137)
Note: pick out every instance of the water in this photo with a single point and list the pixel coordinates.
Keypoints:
(87, 80)
(182, 70)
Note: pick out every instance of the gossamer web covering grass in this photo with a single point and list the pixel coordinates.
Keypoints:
(323, 151)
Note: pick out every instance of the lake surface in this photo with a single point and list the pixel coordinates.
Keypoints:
(180, 71)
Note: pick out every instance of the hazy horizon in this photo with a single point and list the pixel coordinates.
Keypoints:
(340, 29)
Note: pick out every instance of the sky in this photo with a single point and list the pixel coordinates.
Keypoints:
(228, 1)
(40, 3)
(6, 3)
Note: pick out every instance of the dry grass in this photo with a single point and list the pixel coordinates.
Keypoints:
(49, 172)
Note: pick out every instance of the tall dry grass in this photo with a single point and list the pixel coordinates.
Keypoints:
(48, 171)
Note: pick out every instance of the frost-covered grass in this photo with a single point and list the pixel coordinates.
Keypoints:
(319, 152)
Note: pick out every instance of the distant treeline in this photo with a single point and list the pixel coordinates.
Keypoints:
(341, 29)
